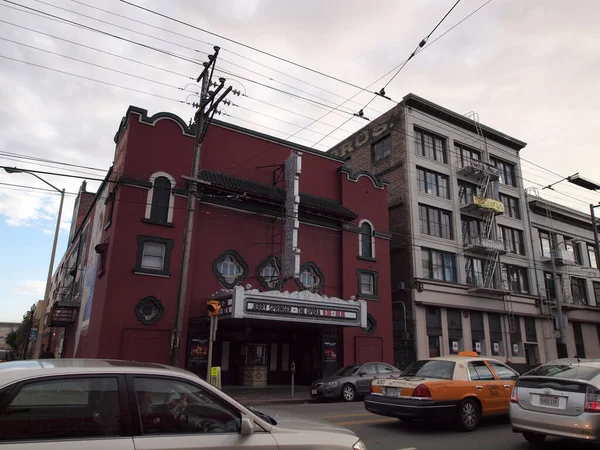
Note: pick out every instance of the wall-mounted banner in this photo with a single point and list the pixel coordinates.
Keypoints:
(496, 348)
(515, 349)
(478, 347)
(455, 346)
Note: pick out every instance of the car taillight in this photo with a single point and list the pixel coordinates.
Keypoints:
(514, 396)
(592, 399)
(421, 391)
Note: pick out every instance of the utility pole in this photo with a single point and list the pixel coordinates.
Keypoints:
(202, 119)
(559, 312)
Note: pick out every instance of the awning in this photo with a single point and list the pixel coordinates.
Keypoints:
(299, 307)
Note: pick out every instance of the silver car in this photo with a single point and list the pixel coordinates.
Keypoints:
(72, 404)
(559, 398)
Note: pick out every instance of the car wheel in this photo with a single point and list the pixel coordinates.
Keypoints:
(348, 393)
(468, 415)
(534, 438)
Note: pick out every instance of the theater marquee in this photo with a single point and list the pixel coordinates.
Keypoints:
(302, 307)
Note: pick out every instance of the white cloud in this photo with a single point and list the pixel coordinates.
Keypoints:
(30, 288)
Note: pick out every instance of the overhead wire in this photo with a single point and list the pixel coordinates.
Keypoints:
(209, 43)
(30, 157)
(381, 93)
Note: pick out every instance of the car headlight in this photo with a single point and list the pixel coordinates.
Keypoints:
(331, 383)
(360, 445)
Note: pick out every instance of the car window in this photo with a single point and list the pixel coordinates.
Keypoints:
(348, 370)
(503, 372)
(479, 371)
(170, 406)
(384, 368)
(63, 409)
(442, 370)
(569, 371)
(369, 369)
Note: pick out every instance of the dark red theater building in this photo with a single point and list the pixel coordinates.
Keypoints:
(267, 208)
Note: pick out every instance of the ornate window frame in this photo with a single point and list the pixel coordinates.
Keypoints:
(150, 198)
(361, 235)
(375, 275)
(270, 284)
(168, 246)
(312, 267)
(239, 260)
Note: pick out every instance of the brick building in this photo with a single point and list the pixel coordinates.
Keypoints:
(461, 253)
(115, 291)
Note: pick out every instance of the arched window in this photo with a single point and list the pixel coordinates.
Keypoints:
(269, 273)
(160, 200)
(366, 241)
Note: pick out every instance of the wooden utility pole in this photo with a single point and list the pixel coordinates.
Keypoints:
(206, 110)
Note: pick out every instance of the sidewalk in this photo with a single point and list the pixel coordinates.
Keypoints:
(271, 395)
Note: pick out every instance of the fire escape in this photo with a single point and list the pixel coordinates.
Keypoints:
(482, 202)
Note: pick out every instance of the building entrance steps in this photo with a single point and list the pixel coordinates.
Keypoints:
(268, 395)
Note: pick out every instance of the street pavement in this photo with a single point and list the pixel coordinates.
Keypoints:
(382, 433)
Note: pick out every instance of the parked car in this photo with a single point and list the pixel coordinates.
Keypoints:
(461, 388)
(558, 398)
(351, 382)
(72, 404)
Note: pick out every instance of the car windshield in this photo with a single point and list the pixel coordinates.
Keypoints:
(443, 370)
(572, 371)
(348, 370)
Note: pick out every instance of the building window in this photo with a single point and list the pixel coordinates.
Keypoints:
(154, 255)
(506, 171)
(546, 243)
(515, 278)
(530, 331)
(573, 248)
(579, 343)
(311, 278)
(433, 183)
(549, 283)
(160, 201)
(466, 192)
(368, 283)
(592, 256)
(472, 229)
(269, 273)
(431, 146)
(579, 291)
(366, 240)
(474, 268)
(382, 148)
(466, 155)
(110, 200)
(435, 221)
(511, 206)
(438, 265)
(596, 286)
(230, 268)
(512, 239)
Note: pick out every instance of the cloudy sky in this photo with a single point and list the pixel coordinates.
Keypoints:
(528, 68)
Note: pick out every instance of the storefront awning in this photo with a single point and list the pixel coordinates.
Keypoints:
(300, 307)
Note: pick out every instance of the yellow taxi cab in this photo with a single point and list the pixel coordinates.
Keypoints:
(460, 388)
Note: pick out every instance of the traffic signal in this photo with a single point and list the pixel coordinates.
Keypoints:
(214, 307)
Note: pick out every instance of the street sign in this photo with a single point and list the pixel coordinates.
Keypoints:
(33, 334)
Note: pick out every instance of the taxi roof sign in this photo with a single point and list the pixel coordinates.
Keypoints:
(468, 354)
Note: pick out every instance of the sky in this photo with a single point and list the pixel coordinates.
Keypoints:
(528, 68)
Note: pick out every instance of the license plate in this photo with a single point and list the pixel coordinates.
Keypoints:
(313, 392)
(549, 400)
(392, 392)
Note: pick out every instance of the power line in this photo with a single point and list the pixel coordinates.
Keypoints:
(23, 156)
(97, 50)
(94, 80)
(402, 65)
(247, 46)
(228, 50)
(92, 64)
(42, 164)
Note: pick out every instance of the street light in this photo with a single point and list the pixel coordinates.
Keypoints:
(44, 305)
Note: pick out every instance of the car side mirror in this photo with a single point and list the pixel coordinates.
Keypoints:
(362, 373)
(247, 426)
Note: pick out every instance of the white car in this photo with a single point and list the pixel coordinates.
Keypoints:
(88, 404)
